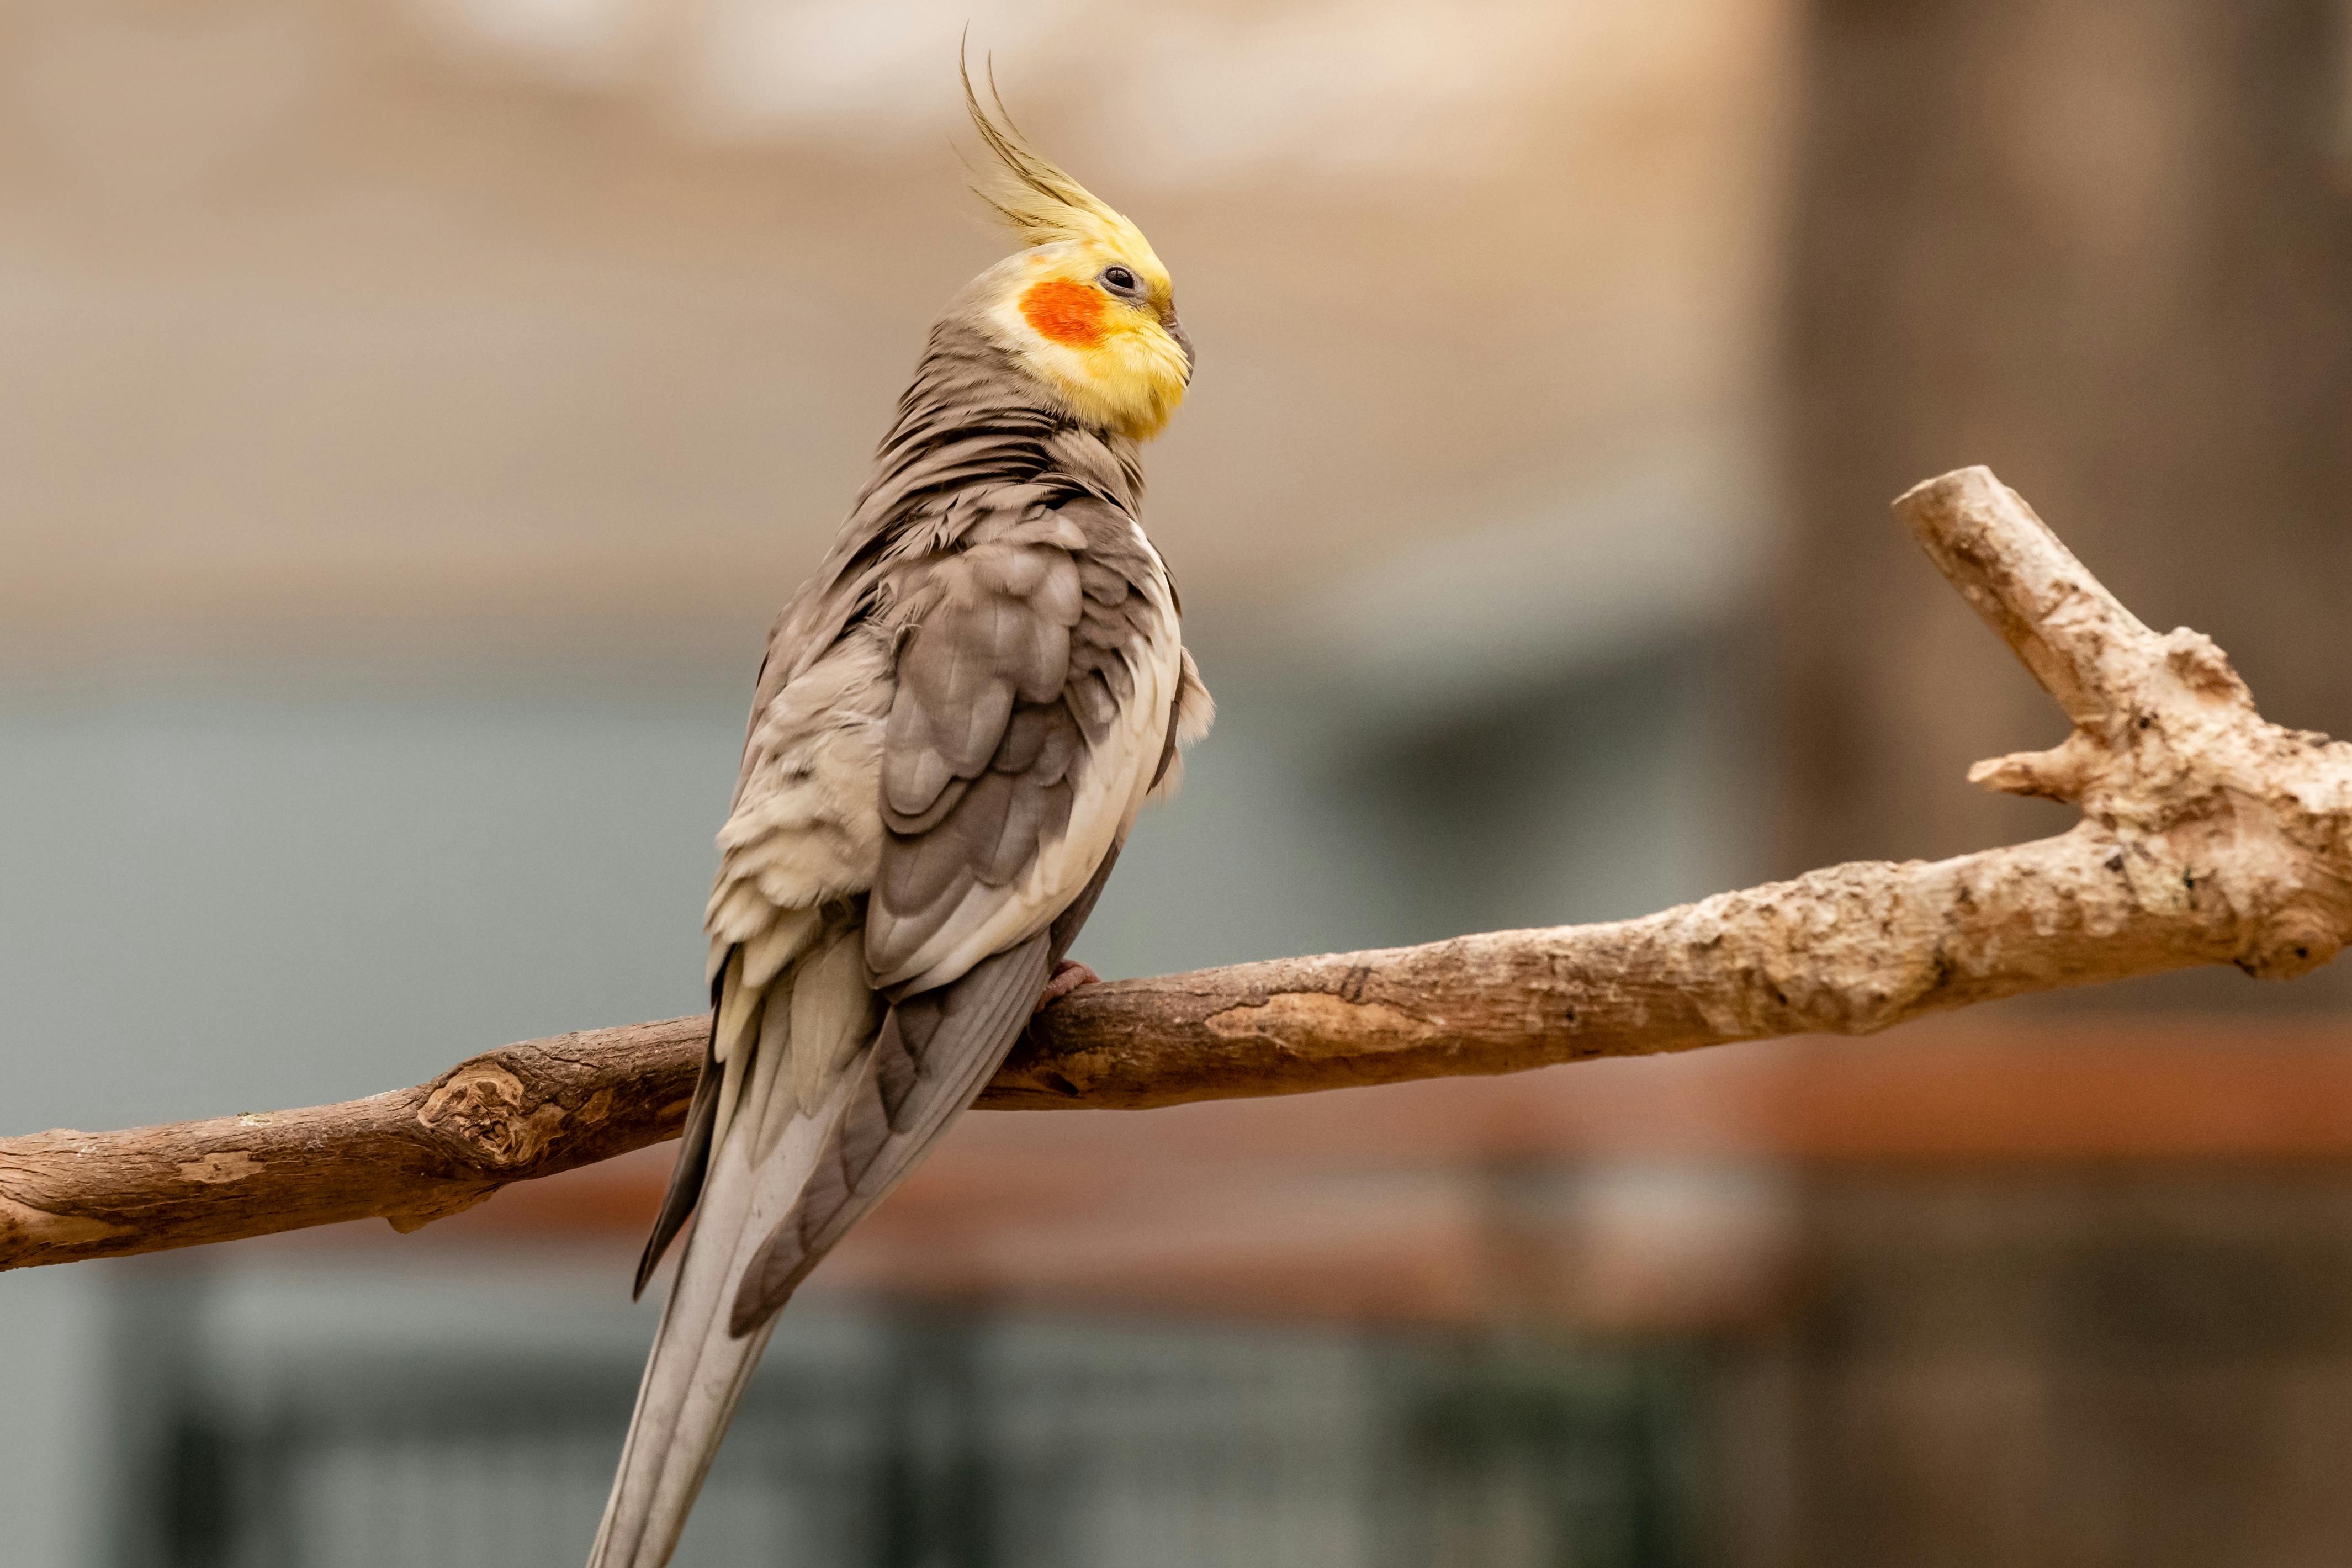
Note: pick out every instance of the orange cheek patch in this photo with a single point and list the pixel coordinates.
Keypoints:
(1065, 312)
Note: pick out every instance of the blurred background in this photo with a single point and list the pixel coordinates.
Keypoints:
(412, 411)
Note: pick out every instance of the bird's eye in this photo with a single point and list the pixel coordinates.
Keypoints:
(1120, 280)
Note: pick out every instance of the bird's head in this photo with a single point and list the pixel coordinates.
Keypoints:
(1086, 307)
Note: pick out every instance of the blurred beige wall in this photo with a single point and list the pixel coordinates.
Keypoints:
(567, 325)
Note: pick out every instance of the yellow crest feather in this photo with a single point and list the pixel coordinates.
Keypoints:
(1034, 195)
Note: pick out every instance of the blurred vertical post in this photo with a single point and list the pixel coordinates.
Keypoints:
(2104, 246)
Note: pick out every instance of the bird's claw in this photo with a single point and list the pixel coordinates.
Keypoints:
(1067, 977)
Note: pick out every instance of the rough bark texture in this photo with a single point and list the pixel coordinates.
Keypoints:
(2208, 835)
(411, 1156)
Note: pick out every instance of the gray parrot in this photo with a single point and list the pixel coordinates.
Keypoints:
(958, 717)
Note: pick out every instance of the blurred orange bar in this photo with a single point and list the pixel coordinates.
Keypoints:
(2065, 1092)
(1412, 1202)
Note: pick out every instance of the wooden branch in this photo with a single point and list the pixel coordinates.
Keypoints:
(411, 1156)
(2208, 836)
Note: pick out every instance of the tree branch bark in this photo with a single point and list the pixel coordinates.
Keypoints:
(2208, 835)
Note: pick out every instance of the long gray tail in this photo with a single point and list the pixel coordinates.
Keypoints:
(839, 1098)
(763, 1152)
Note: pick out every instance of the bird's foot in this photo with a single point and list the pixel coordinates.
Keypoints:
(1067, 977)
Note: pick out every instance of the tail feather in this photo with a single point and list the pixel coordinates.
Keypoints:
(694, 1150)
(766, 1145)
(821, 1108)
(932, 1057)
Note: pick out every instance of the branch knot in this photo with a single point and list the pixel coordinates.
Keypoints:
(2198, 663)
(482, 1113)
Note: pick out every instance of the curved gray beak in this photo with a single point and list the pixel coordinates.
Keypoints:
(1176, 330)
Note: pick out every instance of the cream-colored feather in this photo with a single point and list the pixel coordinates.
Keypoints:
(803, 830)
(831, 1017)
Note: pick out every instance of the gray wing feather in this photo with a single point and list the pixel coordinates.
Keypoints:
(1019, 660)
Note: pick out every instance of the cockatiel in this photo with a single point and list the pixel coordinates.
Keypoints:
(958, 719)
